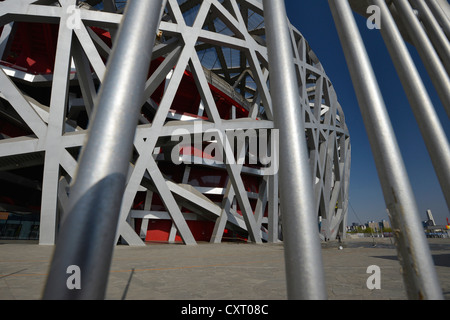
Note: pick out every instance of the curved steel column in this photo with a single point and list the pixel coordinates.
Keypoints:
(435, 32)
(442, 18)
(433, 64)
(421, 105)
(414, 254)
(303, 256)
(87, 235)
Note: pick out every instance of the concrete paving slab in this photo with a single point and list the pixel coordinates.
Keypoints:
(228, 271)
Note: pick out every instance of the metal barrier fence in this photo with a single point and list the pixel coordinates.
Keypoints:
(418, 269)
(92, 250)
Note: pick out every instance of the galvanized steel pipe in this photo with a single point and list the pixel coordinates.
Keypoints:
(303, 256)
(414, 254)
(87, 235)
(421, 105)
(431, 60)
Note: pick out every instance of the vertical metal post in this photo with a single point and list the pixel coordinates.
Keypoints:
(423, 109)
(303, 256)
(433, 64)
(414, 254)
(87, 234)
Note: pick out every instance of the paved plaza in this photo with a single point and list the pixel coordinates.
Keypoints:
(228, 271)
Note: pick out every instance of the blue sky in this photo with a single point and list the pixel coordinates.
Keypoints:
(314, 20)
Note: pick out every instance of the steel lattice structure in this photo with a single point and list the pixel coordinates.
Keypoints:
(209, 72)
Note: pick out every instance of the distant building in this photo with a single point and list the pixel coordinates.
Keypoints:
(430, 221)
(385, 225)
(432, 230)
(355, 226)
(373, 225)
(439, 231)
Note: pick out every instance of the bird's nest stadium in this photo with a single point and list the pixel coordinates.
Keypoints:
(209, 66)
